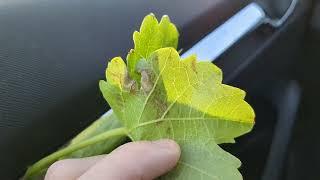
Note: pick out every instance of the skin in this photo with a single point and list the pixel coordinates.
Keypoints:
(143, 160)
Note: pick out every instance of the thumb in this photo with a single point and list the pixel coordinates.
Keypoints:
(136, 161)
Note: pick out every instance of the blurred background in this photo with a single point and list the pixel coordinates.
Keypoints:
(52, 54)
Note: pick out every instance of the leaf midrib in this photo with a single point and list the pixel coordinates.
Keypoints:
(217, 118)
(153, 88)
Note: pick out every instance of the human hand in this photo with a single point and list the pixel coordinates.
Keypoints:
(132, 161)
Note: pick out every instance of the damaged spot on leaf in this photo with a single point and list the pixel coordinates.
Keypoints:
(146, 83)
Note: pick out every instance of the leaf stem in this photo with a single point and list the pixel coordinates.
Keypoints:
(41, 164)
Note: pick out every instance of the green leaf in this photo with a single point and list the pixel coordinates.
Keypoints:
(152, 36)
(157, 95)
(106, 123)
(183, 100)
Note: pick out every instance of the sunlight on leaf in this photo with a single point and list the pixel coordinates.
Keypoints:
(187, 102)
(157, 95)
(152, 36)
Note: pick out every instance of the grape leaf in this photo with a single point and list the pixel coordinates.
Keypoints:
(183, 100)
(157, 95)
(105, 123)
(152, 36)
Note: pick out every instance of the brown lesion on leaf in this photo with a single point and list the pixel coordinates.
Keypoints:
(146, 83)
(129, 84)
(160, 105)
(194, 65)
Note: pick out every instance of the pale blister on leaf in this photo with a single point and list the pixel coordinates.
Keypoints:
(187, 103)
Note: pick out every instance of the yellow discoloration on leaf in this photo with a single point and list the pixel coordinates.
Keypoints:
(116, 72)
(152, 36)
(187, 102)
(159, 95)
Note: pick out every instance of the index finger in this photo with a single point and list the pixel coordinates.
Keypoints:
(136, 161)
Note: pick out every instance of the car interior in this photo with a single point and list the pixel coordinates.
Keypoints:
(53, 54)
